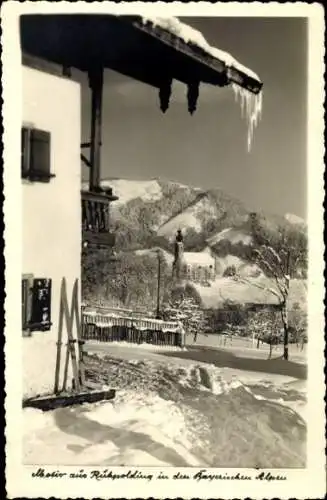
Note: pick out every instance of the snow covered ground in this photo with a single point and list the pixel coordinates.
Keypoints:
(173, 411)
(96, 345)
(246, 348)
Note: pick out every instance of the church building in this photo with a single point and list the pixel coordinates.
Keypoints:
(197, 267)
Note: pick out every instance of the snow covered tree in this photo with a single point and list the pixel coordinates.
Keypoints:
(264, 327)
(298, 321)
(279, 254)
(183, 306)
(131, 281)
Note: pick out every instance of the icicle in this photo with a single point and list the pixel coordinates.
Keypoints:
(251, 105)
(192, 96)
(164, 94)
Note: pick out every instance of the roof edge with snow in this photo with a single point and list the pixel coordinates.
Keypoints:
(199, 49)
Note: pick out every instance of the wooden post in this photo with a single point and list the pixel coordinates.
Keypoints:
(80, 341)
(158, 285)
(96, 85)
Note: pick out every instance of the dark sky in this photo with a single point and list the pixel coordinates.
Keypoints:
(209, 149)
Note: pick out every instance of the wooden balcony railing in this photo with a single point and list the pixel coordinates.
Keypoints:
(96, 218)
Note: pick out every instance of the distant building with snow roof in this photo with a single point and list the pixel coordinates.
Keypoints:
(259, 291)
(197, 267)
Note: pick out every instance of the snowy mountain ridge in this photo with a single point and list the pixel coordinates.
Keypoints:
(295, 219)
(149, 212)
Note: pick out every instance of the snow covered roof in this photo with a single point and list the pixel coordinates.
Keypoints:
(133, 45)
(152, 50)
(198, 259)
(246, 84)
(195, 37)
(254, 291)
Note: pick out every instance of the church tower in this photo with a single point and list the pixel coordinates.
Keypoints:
(178, 260)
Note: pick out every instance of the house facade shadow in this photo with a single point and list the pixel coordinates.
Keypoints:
(74, 421)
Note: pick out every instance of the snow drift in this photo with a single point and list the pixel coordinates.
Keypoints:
(170, 414)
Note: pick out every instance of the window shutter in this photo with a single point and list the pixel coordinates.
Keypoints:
(24, 302)
(27, 282)
(41, 305)
(40, 155)
(25, 151)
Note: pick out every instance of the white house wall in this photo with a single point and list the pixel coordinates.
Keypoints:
(51, 213)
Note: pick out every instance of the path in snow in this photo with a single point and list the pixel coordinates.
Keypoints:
(249, 360)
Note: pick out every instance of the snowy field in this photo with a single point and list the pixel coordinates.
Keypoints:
(170, 411)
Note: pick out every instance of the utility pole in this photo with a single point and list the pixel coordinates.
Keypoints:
(158, 285)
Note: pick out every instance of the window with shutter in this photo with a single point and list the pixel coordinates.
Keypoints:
(40, 319)
(27, 281)
(35, 157)
(25, 153)
(24, 303)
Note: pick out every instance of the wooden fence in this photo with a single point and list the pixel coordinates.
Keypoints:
(116, 310)
(115, 327)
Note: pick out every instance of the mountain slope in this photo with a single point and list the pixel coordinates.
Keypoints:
(234, 235)
(149, 212)
(127, 190)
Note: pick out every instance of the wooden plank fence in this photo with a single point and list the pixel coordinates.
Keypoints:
(111, 327)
